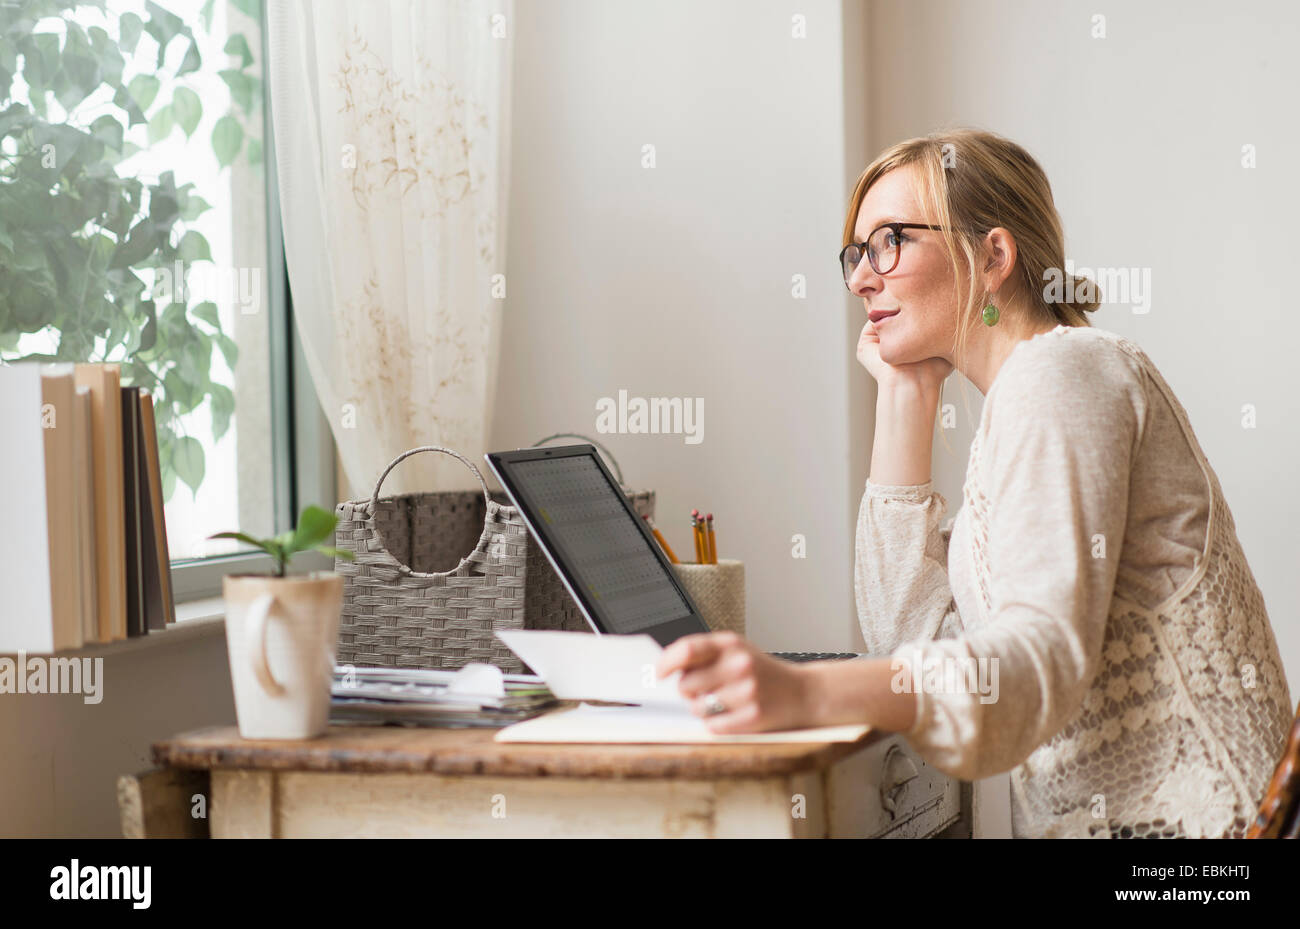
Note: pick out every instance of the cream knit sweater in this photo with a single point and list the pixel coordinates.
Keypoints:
(1139, 688)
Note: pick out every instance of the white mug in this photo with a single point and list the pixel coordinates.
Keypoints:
(280, 637)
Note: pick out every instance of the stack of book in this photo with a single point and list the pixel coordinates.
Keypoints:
(83, 552)
(417, 697)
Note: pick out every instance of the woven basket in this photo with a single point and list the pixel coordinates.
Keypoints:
(413, 598)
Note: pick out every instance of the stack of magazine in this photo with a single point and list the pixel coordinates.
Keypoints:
(476, 695)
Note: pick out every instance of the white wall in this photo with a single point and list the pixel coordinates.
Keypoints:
(60, 757)
(675, 281)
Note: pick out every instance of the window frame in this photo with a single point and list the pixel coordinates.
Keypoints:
(302, 445)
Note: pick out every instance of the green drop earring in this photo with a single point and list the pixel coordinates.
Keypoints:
(990, 314)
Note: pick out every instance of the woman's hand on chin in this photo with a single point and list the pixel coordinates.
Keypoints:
(929, 374)
(758, 692)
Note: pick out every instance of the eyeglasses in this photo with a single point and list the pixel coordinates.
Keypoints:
(882, 247)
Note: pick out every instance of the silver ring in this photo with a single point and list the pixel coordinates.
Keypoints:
(713, 706)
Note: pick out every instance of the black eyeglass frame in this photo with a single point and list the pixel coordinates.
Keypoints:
(897, 229)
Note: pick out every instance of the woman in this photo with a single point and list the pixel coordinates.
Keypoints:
(1093, 576)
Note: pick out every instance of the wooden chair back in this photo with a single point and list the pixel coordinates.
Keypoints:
(1279, 813)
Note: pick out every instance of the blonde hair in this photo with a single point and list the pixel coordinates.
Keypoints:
(970, 182)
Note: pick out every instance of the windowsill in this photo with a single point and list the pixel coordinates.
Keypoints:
(200, 609)
(195, 619)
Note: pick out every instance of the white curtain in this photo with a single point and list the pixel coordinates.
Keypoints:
(391, 123)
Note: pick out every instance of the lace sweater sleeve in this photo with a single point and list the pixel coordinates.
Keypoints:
(1055, 465)
(900, 568)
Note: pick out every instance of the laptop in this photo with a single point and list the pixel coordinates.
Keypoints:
(600, 548)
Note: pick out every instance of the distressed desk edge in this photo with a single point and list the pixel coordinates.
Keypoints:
(472, 752)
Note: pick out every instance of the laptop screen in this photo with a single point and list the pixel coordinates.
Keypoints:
(607, 554)
(600, 547)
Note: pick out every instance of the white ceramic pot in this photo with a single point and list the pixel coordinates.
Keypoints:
(280, 635)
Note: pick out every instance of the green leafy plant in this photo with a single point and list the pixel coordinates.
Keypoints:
(79, 237)
(315, 525)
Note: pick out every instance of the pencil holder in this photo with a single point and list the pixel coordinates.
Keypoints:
(719, 592)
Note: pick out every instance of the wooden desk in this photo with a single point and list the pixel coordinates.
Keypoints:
(391, 781)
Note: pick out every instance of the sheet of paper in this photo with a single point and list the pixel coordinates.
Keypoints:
(583, 666)
(652, 725)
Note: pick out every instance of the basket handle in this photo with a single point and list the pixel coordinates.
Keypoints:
(618, 472)
(374, 497)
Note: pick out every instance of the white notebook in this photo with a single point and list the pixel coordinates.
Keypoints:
(582, 666)
(652, 725)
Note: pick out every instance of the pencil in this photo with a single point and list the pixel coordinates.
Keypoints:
(698, 535)
(713, 542)
(661, 540)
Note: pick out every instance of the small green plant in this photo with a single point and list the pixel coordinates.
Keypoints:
(315, 525)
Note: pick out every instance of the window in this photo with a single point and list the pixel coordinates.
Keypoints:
(138, 225)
